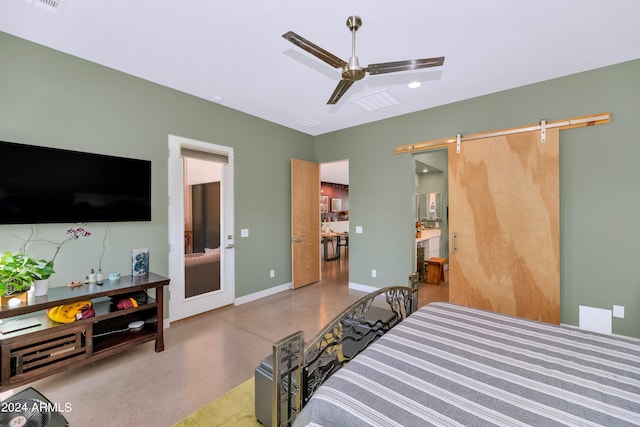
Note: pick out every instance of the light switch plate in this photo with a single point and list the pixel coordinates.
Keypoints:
(359, 229)
(244, 232)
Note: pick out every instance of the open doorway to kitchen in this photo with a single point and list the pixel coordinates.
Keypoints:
(334, 217)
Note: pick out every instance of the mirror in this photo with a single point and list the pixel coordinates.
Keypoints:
(429, 206)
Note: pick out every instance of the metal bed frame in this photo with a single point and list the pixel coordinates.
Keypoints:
(299, 369)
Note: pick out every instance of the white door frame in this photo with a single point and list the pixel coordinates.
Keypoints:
(179, 306)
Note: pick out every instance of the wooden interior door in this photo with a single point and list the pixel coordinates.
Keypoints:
(504, 221)
(305, 222)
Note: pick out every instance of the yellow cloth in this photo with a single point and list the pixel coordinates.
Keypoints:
(67, 313)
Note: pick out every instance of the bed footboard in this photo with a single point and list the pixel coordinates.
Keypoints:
(298, 369)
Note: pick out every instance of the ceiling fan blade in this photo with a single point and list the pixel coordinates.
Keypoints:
(342, 87)
(315, 50)
(413, 64)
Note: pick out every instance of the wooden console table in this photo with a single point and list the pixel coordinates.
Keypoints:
(38, 351)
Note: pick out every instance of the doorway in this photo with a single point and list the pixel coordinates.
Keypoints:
(201, 256)
(432, 212)
(310, 244)
(432, 177)
(334, 217)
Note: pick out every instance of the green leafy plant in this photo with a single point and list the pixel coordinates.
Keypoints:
(44, 269)
(18, 271)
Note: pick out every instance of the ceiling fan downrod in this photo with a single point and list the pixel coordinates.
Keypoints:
(353, 70)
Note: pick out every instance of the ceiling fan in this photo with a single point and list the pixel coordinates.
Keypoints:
(352, 71)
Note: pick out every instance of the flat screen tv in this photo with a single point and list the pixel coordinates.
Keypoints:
(51, 185)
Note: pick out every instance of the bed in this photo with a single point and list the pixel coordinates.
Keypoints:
(449, 365)
(202, 272)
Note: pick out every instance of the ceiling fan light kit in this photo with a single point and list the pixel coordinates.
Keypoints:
(352, 71)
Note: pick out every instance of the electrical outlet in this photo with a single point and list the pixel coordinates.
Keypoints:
(374, 273)
(618, 311)
(272, 273)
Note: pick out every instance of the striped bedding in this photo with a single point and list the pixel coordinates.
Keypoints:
(448, 365)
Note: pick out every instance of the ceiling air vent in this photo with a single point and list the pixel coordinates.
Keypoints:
(52, 6)
(375, 100)
(308, 122)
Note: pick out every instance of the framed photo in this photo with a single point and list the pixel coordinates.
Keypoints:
(432, 202)
(324, 204)
(140, 262)
(336, 205)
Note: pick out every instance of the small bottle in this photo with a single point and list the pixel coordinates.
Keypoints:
(92, 276)
(99, 277)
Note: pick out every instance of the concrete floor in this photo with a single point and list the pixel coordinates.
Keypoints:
(205, 356)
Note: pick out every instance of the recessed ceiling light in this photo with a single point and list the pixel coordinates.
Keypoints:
(414, 85)
(425, 170)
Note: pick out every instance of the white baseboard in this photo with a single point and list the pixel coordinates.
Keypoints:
(257, 295)
(363, 288)
(286, 286)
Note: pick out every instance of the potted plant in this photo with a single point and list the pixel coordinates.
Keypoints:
(18, 272)
(44, 270)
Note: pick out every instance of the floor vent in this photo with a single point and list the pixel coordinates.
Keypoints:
(375, 100)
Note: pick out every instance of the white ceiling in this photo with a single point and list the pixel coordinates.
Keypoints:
(233, 52)
(335, 172)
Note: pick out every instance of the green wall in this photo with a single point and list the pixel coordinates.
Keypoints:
(53, 99)
(50, 98)
(599, 177)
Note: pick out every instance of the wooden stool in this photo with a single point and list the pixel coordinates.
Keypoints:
(435, 270)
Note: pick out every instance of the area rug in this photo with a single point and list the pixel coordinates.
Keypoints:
(235, 408)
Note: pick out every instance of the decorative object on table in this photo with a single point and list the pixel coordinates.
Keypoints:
(92, 276)
(43, 268)
(18, 272)
(140, 262)
(99, 277)
(68, 313)
(114, 276)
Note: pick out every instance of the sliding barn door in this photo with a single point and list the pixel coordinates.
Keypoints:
(504, 224)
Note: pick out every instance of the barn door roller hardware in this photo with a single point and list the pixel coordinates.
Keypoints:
(572, 123)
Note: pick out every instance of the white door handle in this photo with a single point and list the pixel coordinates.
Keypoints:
(296, 240)
(229, 246)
